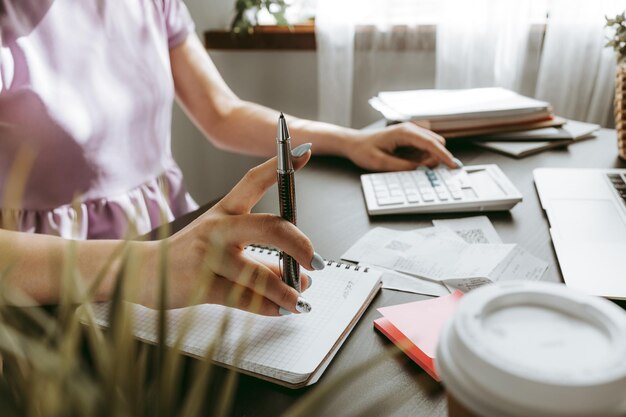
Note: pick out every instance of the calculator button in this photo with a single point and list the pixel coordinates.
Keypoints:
(456, 194)
(463, 179)
(413, 198)
(428, 197)
(469, 194)
(441, 192)
(444, 173)
(390, 200)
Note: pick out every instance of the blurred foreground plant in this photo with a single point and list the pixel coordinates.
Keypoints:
(60, 363)
(56, 362)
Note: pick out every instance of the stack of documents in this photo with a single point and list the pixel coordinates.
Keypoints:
(415, 327)
(454, 254)
(527, 142)
(462, 113)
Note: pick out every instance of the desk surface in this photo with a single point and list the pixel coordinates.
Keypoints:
(331, 211)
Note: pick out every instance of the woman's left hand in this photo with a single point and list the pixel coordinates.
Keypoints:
(400, 147)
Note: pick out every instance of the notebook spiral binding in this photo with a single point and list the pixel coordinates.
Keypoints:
(273, 251)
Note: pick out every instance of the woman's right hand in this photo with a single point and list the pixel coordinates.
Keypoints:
(209, 252)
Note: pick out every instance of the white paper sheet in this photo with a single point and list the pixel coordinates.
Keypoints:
(398, 281)
(477, 102)
(426, 255)
(466, 284)
(438, 232)
(471, 229)
(519, 264)
(461, 254)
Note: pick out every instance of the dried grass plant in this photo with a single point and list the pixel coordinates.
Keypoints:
(56, 362)
(617, 37)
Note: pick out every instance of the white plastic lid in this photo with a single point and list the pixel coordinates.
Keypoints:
(522, 348)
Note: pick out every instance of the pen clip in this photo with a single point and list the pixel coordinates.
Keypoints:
(281, 261)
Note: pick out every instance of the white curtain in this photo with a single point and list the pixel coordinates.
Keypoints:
(374, 57)
(482, 43)
(334, 27)
(478, 43)
(577, 73)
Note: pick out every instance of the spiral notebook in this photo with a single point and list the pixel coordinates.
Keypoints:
(291, 350)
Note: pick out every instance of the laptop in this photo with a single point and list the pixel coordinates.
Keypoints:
(586, 209)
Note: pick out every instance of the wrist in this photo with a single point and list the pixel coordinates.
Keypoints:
(327, 139)
(147, 255)
(347, 142)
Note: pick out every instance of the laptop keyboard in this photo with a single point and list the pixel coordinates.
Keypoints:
(619, 184)
(421, 186)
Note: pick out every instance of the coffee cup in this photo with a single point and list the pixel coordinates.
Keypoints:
(518, 348)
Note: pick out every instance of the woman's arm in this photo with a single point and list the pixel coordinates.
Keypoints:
(238, 125)
(34, 263)
(207, 254)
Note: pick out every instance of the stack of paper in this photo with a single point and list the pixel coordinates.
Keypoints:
(415, 327)
(470, 112)
(527, 142)
(454, 254)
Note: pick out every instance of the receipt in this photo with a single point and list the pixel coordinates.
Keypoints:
(426, 255)
(519, 264)
(456, 254)
(471, 229)
(402, 282)
(466, 284)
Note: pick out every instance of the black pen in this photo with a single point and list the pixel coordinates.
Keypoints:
(289, 268)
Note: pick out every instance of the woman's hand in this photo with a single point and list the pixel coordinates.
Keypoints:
(210, 251)
(400, 147)
(237, 125)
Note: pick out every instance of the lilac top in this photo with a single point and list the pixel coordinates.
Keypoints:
(87, 86)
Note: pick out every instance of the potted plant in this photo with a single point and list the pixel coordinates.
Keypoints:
(247, 14)
(618, 42)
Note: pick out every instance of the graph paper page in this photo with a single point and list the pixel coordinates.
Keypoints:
(287, 348)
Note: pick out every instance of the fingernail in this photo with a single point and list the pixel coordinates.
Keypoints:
(458, 162)
(317, 262)
(283, 311)
(298, 151)
(310, 281)
(303, 305)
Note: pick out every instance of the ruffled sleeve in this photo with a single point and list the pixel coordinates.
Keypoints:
(178, 22)
(1, 71)
(5, 69)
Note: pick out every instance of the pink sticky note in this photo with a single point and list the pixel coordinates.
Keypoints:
(422, 321)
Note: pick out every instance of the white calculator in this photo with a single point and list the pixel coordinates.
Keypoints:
(439, 190)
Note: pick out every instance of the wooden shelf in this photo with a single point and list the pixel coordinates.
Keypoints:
(302, 38)
(297, 37)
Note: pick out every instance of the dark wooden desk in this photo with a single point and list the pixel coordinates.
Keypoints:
(331, 211)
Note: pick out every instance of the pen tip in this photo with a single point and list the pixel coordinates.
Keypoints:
(282, 133)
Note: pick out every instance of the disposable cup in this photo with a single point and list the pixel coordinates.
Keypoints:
(521, 348)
